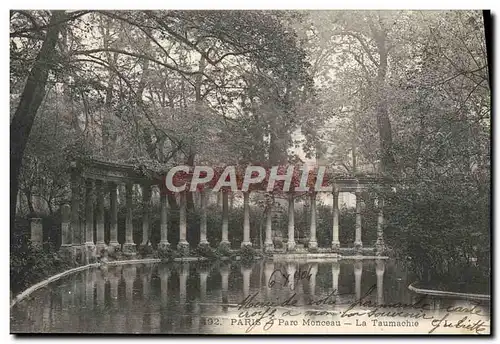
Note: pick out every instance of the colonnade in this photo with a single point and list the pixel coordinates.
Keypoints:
(78, 235)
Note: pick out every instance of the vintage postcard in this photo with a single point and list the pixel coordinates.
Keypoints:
(250, 172)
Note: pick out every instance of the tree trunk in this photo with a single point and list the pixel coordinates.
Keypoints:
(189, 195)
(31, 98)
(277, 142)
(383, 122)
(29, 200)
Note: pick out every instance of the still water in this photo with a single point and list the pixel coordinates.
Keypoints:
(218, 298)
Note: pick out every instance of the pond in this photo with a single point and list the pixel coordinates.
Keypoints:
(262, 297)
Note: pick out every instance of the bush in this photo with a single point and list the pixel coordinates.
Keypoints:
(313, 250)
(166, 254)
(437, 227)
(223, 251)
(206, 251)
(31, 264)
(248, 254)
(145, 250)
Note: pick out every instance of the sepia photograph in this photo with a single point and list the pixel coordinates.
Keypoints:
(250, 172)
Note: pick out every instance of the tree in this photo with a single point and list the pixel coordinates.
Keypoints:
(30, 100)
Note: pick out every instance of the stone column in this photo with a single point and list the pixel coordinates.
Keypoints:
(379, 270)
(246, 272)
(89, 219)
(183, 245)
(203, 218)
(358, 270)
(380, 227)
(36, 231)
(75, 215)
(146, 208)
(246, 220)
(163, 221)
(129, 245)
(358, 244)
(113, 225)
(100, 244)
(313, 243)
(268, 243)
(225, 220)
(335, 235)
(291, 222)
(66, 234)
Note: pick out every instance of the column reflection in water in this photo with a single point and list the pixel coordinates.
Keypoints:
(135, 316)
(155, 321)
(268, 272)
(55, 309)
(335, 280)
(103, 279)
(358, 270)
(82, 295)
(129, 273)
(146, 281)
(100, 286)
(77, 298)
(114, 277)
(290, 270)
(312, 281)
(149, 308)
(183, 276)
(46, 312)
(224, 274)
(90, 276)
(184, 307)
(380, 269)
(114, 280)
(199, 307)
(299, 282)
(164, 272)
(245, 272)
(203, 285)
(436, 304)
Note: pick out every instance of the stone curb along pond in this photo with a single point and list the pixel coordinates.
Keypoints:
(444, 293)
